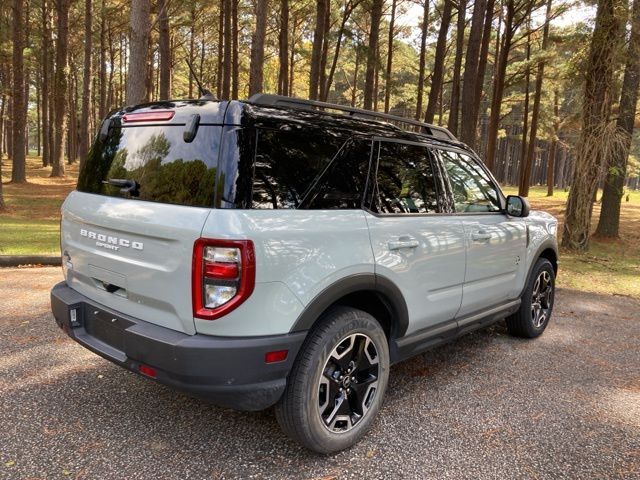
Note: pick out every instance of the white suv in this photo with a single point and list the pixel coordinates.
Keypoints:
(287, 252)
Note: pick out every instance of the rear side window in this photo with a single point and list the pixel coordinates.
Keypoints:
(286, 164)
(167, 169)
(404, 180)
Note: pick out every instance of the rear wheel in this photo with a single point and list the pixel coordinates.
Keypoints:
(338, 382)
(537, 302)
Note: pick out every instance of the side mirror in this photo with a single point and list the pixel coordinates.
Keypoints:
(517, 206)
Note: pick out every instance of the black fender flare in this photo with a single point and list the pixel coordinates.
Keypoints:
(388, 292)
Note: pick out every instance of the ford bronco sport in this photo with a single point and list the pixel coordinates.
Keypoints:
(287, 252)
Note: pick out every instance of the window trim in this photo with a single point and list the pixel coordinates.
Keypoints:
(374, 171)
(474, 157)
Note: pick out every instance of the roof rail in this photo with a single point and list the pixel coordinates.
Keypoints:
(282, 101)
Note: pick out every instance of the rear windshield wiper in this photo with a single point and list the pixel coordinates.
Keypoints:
(126, 186)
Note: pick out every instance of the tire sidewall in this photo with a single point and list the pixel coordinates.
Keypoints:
(541, 265)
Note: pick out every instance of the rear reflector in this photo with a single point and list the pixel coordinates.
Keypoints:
(160, 115)
(147, 370)
(276, 356)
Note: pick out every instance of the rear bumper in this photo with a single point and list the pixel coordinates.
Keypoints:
(228, 371)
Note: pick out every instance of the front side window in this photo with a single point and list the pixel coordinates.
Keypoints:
(404, 180)
(473, 191)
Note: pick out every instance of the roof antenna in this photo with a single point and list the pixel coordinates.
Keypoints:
(204, 93)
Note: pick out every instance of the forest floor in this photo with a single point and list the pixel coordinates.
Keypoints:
(31, 226)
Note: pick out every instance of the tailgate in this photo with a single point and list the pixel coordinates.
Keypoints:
(132, 256)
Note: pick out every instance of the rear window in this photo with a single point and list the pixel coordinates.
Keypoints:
(166, 168)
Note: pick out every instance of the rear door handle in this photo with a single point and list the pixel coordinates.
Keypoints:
(405, 241)
(480, 236)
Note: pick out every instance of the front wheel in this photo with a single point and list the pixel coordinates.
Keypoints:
(537, 302)
(338, 382)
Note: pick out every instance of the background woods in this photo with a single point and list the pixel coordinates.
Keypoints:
(544, 90)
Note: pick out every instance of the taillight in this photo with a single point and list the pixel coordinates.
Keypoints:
(224, 274)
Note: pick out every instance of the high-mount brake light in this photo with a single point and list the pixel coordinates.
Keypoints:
(224, 273)
(155, 116)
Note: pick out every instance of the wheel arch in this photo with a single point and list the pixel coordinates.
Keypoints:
(374, 294)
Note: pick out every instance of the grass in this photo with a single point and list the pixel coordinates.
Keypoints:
(31, 226)
(610, 266)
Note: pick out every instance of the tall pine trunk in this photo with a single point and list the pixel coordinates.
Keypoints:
(454, 108)
(316, 52)
(595, 134)
(45, 88)
(387, 73)
(61, 88)
(609, 223)
(226, 62)
(18, 173)
(424, 32)
(526, 174)
(235, 64)
(164, 47)
(83, 145)
(470, 77)
(139, 51)
(372, 54)
(551, 164)
(283, 49)
(256, 70)
(438, 67)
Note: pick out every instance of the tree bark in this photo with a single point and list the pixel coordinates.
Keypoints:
(139, 49)
(554, 145)
(283, 49)
(226, 62)
(526, 175)
(60, 96)
(235, 64)
(525, 115)
(164, 47)
(595, 134)
(372, 54)
(44, 90)
(325, 53)
(454, 109)
(470, 77)
(482, 61)
(316, 52)
(438, 67)
(256, 70)
(220, 64)
(424, 32)
(387, 73)
(18, 173)
(83, 145)
(609, 222)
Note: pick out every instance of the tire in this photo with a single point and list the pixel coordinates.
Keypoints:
(344, 339)
(536, 302)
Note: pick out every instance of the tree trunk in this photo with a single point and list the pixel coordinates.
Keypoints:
(526, 176)
(256, 70)
(226, 62)
(220, 64)
(482, 61)
(372, 53)
(387, 73)
(164, 47)
(139, 49)
(316, 52)
(235, 65)
(554, 145)
(609, 223)
(46, 150)
(354, 89)
(470, 77)
(348, 10)
(525, 115)
(595, 134)
(498, 86)
(325, 53)
(83, 145)
(283, 49)
(454, 109)
(424, 32)
(438, 67)
(60, 95)
(18, 173)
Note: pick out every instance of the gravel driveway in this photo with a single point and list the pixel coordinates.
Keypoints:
(489, 406)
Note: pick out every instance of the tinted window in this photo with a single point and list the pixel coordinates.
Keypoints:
(168, 169)
(341, 185)
(404, 180)
(286, 164)
(472, 188)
